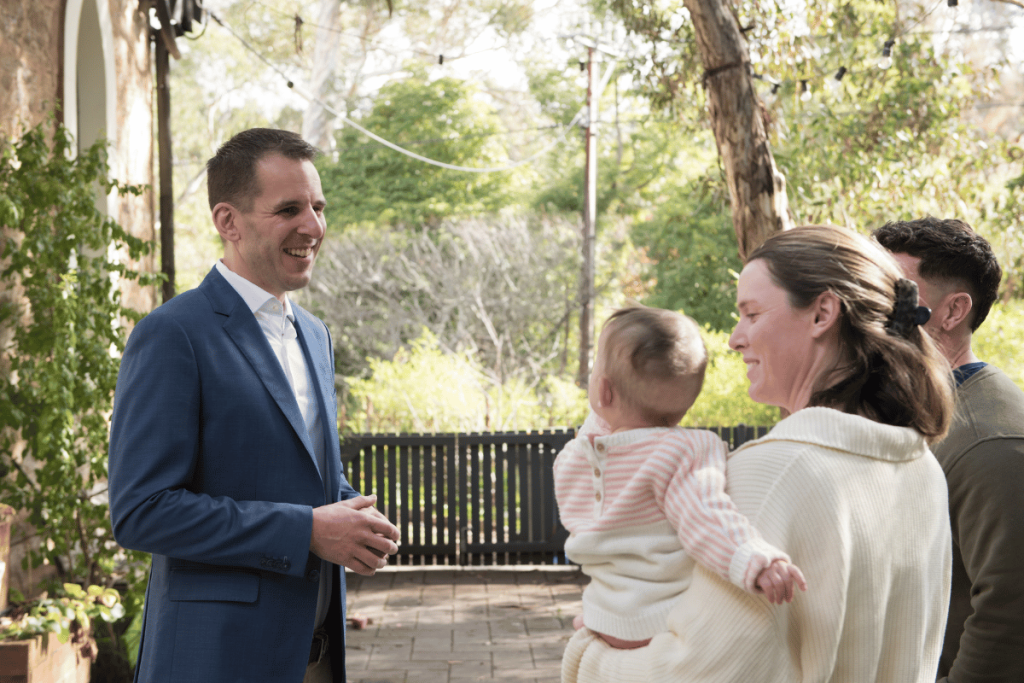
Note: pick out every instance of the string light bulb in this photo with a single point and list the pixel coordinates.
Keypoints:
(835, 83)
(886, 61)
(805, 92)
(768, 96)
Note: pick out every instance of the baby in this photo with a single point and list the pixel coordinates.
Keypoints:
(643, 498)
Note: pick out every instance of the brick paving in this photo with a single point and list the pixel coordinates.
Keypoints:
(461, 624)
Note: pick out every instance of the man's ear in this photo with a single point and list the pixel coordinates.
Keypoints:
(226, 219)
(826, 309)
(955, 309)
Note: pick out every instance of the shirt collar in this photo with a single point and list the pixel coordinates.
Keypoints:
(965, 372)
(254, 296)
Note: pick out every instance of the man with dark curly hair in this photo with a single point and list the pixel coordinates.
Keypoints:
(982, 456)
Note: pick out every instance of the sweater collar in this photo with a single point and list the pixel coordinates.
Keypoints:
(849, 433)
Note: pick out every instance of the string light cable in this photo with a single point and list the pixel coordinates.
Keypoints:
(885, 60)
(373, 136)
(441, 57)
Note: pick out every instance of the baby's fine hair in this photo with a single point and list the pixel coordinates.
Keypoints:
(653, 348)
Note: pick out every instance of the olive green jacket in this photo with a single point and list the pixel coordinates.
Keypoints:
(983, 459)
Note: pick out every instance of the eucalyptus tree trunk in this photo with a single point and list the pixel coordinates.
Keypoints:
(316, 125)
(757, 190)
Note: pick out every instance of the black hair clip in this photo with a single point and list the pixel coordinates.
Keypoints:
(906, 314)
(922, 315)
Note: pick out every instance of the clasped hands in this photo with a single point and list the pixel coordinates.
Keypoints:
(354, 534)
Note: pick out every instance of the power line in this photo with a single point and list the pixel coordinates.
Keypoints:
(387, 143)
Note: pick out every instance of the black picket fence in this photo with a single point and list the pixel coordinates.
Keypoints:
(472, 499)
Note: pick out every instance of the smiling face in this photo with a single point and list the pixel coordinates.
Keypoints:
(274, 244)
(775, 340)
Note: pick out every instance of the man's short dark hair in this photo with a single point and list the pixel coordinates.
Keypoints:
(231, 173)
(950, 251)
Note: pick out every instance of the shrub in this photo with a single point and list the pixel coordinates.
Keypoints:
(58, 389)
(425, 389)
(998, 339)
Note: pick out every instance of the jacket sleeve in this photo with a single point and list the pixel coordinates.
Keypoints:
(986, 509)
(155, 453)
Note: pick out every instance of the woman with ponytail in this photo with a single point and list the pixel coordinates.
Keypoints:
(830, 332)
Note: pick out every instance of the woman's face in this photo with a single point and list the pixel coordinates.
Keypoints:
(775, 340)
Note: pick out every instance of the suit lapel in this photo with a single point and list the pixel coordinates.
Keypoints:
(245, 331)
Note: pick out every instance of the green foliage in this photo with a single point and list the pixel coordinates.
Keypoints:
(72, 612)
(425, 389)
(63, 256)
(998, 339)
(879, 145)
(447, 120)
(691, 250)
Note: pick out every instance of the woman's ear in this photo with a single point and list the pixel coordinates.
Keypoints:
(225, 219)
(826, 310)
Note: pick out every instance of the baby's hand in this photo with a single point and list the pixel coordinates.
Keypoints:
(777, 579)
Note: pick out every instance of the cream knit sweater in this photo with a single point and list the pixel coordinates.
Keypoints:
(861, 508)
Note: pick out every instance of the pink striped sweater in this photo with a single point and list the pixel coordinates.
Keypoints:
(641, 505)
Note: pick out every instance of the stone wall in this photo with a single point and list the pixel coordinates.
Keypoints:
(30, 62)
(32, 84)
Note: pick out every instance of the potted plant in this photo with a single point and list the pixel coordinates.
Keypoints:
(49, 640)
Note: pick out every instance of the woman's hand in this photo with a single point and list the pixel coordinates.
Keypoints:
(777, 579)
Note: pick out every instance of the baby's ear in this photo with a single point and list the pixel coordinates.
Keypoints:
(605, 392)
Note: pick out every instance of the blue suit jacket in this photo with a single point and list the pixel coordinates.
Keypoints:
(212, 471)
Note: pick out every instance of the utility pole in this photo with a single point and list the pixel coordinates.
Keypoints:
(589, 225)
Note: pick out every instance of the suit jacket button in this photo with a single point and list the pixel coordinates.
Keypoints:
(285, 564)
(313, 575)
(263, 562)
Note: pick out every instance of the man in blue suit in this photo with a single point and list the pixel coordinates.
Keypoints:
(224, 456)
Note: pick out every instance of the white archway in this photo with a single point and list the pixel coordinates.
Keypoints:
(90, 83)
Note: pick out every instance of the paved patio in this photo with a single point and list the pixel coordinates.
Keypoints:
(455, 624)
